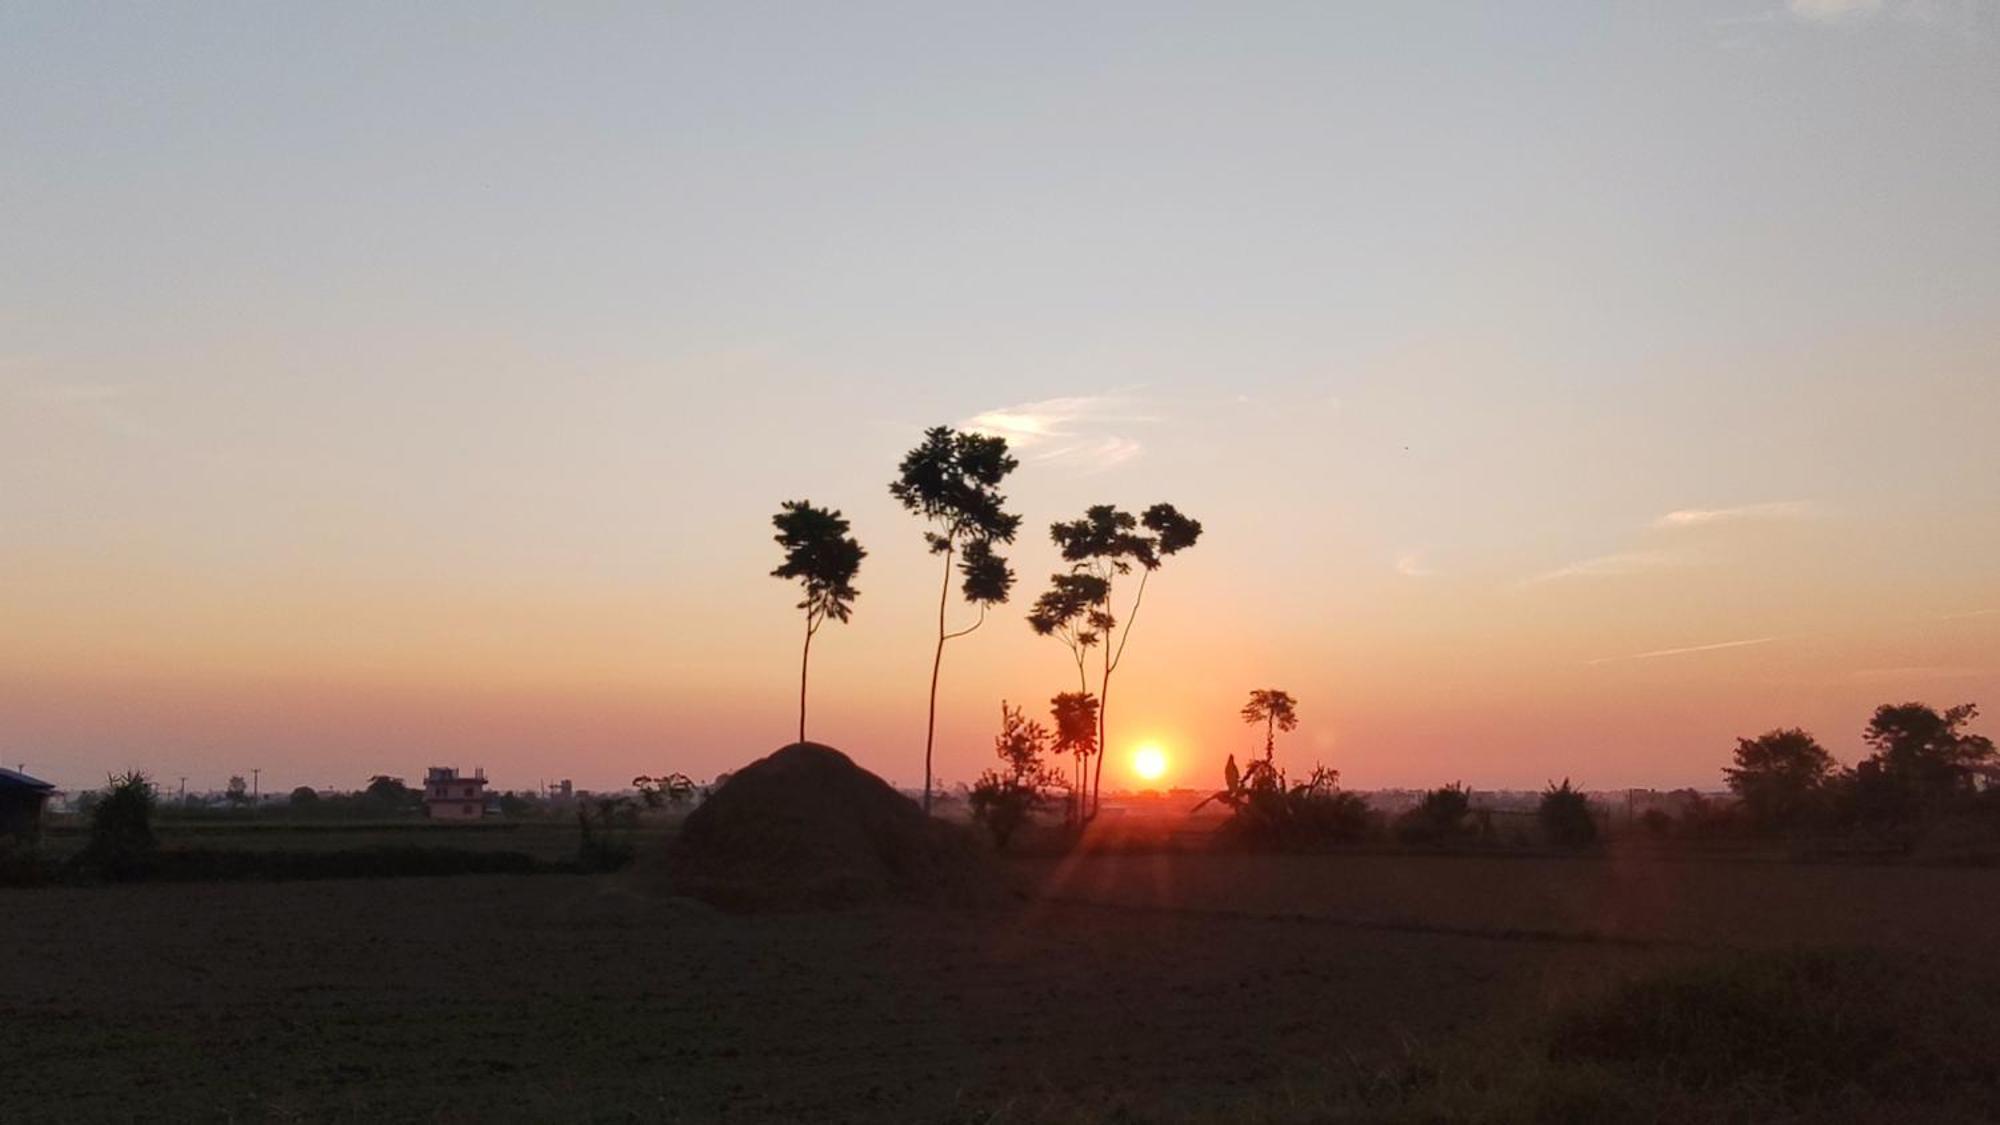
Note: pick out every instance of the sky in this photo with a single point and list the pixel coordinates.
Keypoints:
(1567, 389)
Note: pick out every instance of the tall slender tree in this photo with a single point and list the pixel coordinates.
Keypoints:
(823, 558)
(953, 480)
(1277, 710)
(1103, 546)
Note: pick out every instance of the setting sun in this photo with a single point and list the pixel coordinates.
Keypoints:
(1150, 762)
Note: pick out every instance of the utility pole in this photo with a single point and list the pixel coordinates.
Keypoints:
(256, 775)
(184, 790)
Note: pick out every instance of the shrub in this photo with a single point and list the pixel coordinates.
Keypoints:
(122, 845)
(1267, 812)
(1440, 817)
(1003, 800)
(1565, 817)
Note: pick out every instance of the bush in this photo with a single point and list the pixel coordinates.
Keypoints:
(122, 845)
(1439, 818)
(1004, 800)
(1565, 817)
(1266, 812)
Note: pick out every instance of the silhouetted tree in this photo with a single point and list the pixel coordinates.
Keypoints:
(952, 480)
(1924, 760)
(824, 559)
(1780, 776)
(305, 798)
(1277, 710)
(1069, 610)
(387, 795)
(238, 792)
(673, 789)
(1005, 798)
(1104, 545)
(1075, 713)
(1565, 817)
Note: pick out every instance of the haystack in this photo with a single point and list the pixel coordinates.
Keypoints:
(806, 828)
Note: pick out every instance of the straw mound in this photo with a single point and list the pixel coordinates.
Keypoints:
(806, 828)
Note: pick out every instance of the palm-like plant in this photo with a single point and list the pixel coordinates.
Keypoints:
(1277, 710)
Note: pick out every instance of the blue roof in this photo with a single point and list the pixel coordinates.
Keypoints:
(17, 778)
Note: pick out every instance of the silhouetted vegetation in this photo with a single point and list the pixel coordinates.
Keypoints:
(1930, 787)
(1565, 817)
(952, 480)
(1101, 547)
(823, 559)
(1925, 765)
(1781, 777)
(670, 790)
(1277, 710)
(1005, 798)
(1269, 812)
(1075, 713)
(1441, 817)
(122, 844)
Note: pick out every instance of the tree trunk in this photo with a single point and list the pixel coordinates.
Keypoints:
(1103, 747)
(804, 658)
(937, 662)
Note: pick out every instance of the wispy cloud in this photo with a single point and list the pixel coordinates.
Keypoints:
(1603, 566)
(1832, 11)
(1966, 616)
(1659, 652)
(1080, 431)
(1411, 564)
(1770, 510)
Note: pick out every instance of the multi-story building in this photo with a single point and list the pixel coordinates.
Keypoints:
(450, 796)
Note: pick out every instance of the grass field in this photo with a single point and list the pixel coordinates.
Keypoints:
(1118, 988)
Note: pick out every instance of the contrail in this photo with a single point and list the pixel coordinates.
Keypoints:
(1681, 651)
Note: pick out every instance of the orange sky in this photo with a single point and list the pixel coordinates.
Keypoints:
(1564, 393)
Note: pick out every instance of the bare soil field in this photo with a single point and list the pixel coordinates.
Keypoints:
(1146, 986)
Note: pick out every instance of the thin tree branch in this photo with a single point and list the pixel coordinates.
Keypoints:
(971, 628)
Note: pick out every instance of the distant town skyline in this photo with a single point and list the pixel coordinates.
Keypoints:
(1564, 391)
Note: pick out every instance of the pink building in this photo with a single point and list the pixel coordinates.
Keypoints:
(447, 796)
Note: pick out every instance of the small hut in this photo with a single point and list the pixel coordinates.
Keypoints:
(21, 801)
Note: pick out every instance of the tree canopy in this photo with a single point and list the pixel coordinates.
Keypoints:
(1276, 709)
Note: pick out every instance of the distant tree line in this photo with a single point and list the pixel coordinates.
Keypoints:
(1924, 767)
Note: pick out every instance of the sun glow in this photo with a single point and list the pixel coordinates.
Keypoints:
(1150, 762)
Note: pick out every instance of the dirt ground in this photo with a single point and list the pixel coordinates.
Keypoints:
(571, 997)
